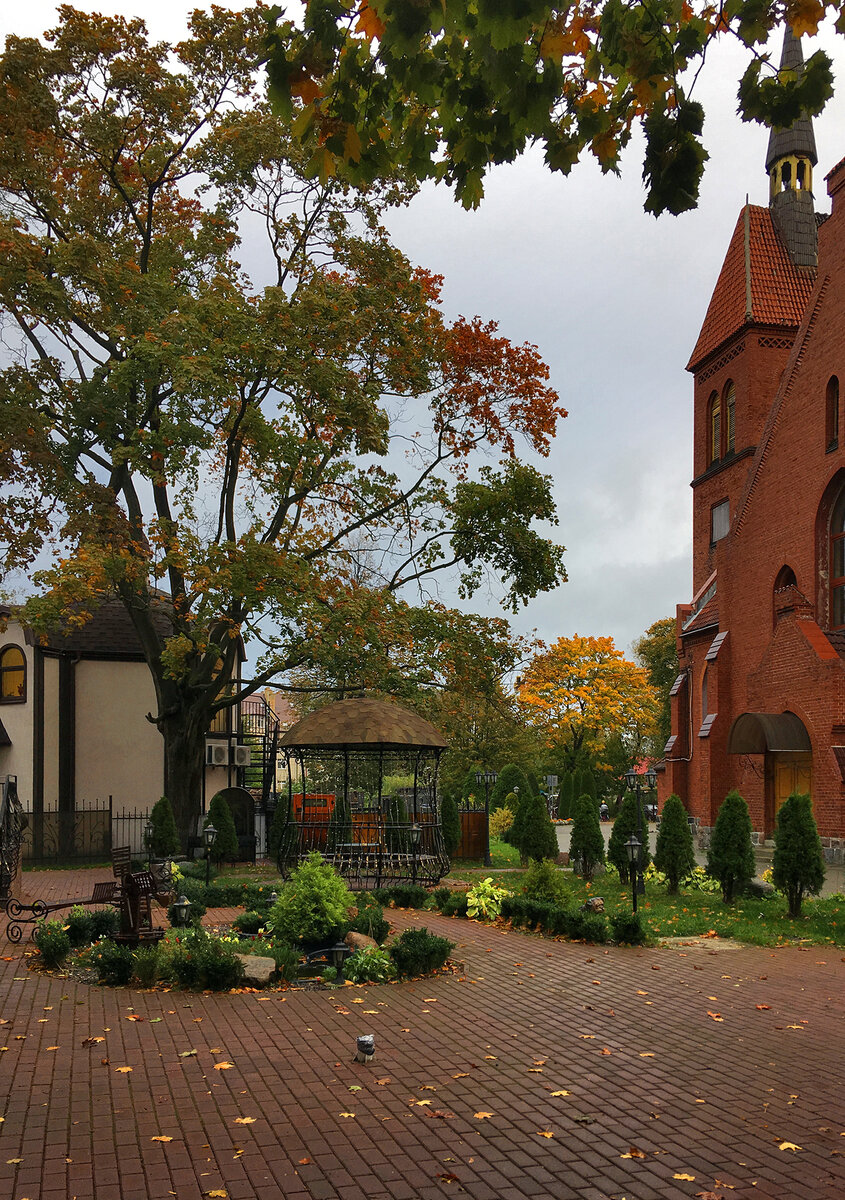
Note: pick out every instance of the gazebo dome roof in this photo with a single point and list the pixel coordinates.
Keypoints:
(363, 724)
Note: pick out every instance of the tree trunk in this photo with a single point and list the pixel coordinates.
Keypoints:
(184, 752)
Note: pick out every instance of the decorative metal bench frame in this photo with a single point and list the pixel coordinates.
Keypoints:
(104, 893)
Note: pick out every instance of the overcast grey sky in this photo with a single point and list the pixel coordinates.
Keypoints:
(614, 299)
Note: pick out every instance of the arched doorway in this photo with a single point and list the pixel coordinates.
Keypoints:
(788, 756)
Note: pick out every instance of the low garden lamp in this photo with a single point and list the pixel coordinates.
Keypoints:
(209, 836)
(182, 912)
(273, 898)
(633, 846)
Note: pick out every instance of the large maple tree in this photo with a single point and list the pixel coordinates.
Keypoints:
(582, 691)
(287, 460)
(448, 88)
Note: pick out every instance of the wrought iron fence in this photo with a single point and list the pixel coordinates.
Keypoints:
(366, 849)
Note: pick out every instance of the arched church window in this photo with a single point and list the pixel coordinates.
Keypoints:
(831, 410)
(837, 564)
(714, 428)
(730, 419)
(12, 675)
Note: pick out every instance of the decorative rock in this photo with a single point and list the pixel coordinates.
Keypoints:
(359, 941)
(257, 969)
(594, 905)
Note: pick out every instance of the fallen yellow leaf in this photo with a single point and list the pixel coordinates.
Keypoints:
(218, 1192)
(680, 1175)
(245, 1120)
(347, 1114)
(14, 1160)
(633, 1152)
(481, 1116)
(544, 1133)
(123, 1070)
(465, 1074)
(789, 1146)
(562, 1092)
(224, 1066)
(163, 1138)
(646, 1054)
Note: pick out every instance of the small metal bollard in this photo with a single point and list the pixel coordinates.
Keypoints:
(365, 1048)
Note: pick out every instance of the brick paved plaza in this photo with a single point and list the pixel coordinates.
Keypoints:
(704, 1060)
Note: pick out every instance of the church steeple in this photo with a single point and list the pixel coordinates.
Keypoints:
(789, 162)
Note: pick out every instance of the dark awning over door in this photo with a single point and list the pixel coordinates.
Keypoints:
(755, 733)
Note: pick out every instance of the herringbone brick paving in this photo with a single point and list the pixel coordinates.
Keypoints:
(664, 1052)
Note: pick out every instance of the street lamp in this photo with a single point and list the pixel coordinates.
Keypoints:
(634, 781)
(488, 778)
(209, 836)
(633, 846)
(415, 833)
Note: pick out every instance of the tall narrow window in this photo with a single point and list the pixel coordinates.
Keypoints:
(837, 565)
(730, 422)
(12, 675)
(831, 409)
(715, 428)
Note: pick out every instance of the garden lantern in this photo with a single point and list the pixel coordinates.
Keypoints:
(487, 778)
(148, 840)
(651, 777)
(182, 912)
(633, 847)
(273, 898)
(209, 835)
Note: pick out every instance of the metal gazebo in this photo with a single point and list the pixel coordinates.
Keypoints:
(362, 790)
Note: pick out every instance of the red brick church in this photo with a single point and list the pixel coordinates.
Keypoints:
(759, 703)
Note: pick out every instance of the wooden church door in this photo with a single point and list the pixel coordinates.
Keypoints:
(791, 773)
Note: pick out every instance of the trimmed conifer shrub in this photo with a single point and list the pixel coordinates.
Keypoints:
(225, 848)
(730, 858)
(532, 832)
(510, 778)
(450, 820)
(674, 853)
(624, 825)
(283, 836)
(564, 800)
(586, 846)
(340, 823)
(798, 862)
(164, 838)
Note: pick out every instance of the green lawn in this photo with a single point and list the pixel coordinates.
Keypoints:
(694, 913)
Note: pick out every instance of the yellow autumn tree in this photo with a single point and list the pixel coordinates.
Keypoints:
(582, 691)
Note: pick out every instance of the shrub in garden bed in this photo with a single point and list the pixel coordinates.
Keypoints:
(371, 921)
(418, 952)
(456, 905)
(286, 958)
(145, 965)
(440, 895)
(402, 895)
(545, 881)
(370, 965)
(313, 905)
(628, 928)
(199, 961)
(484, 899)
(113, 963)
(105, 922)
(587, 927)
(79, 926)
(249, 922)
(52, 941)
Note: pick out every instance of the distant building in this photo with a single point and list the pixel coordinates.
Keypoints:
(759, 703)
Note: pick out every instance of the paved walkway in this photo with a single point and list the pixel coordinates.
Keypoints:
(538, 1069)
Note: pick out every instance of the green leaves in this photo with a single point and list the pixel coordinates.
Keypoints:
(779, 100)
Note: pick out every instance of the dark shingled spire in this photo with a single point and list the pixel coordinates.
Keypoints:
(799, 138)
(789, 162)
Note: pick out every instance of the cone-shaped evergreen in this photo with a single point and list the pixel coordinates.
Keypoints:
(624, 825)
(164, 838)
(340, 823)
(588, 784)
(730, 858)
(798, 861)
(471, 787)
(532, 832)
(283, 838)
(564, 800)
(510, 778)
(225, 848)
(450, 820)
(674, 853)
(586, 846)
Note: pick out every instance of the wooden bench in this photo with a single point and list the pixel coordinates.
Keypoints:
(104, 893)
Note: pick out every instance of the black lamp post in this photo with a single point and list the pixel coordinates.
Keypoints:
(633, 847)
(148, 838)
(415, 835)
(634, 781)
(209, 836)
(488, 778)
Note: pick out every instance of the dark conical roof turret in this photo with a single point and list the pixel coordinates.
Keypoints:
(789, 162)
(799, 138)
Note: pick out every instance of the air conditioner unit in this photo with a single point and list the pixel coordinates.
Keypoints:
(243, 756)
(217, 754)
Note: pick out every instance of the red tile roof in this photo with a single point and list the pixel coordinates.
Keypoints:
(779, 289)
(705, 618)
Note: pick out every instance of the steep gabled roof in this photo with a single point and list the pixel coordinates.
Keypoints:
(758, 285)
